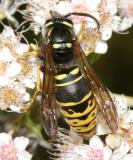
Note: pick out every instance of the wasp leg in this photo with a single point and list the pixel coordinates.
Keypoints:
(38, 89)
(33, 51)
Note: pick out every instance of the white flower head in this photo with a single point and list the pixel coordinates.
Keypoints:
(13, 97)
(8, 8)
(13, 149)
(9, 54)
(125, 10)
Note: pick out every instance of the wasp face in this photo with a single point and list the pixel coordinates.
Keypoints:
(60, 35)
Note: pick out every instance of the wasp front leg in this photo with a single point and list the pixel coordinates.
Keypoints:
(38, 88)
(33, 51)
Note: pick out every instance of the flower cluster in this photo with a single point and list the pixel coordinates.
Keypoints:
(17, 71)
(13, 149)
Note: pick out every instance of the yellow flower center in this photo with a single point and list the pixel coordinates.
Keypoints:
(2, 67)
(10, 96)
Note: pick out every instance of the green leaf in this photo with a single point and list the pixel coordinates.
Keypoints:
(93, 57)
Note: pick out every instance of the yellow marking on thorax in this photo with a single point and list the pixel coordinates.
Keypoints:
(71, 82)
(56, 45)
(76, 115)
(49, 32)
(75, 71)
(48, 24)
(68, 104)
(67, 24)
(69, 45)
(78, 122)
(60, 77)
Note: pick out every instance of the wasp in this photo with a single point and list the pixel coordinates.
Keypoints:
(70, 83)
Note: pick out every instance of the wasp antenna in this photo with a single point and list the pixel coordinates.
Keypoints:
(2, 24)
(83, 15)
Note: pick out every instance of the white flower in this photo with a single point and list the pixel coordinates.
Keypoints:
(28, 75)
(8, 8)
(14, 64)
(9, 47)
(13, 149)
(101, 47)
(13, 97)
(125, 9)
(8, 72)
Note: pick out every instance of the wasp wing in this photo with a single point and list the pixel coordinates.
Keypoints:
(48, 104)
(100, 92)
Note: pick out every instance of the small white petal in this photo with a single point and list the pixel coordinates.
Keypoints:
(95, 141)
(115, 22)
(127, 157)
(123, 149)
(5, 55)
(4, 81)
(21, 143)
(26, 97)
(120, 103)
(127, 119)
(113, 141)
(14, 108)
(106, 33)
(24, 156)
(107, 153)
(77, 27)
(14, 69)
(101, 47)
(21, 48)
(117, 156)
(63, 7)
(4, 138)
(28, 83)
(125, 24)
(111, 8)
(102, 127)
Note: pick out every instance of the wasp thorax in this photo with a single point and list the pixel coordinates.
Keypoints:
(60, 35)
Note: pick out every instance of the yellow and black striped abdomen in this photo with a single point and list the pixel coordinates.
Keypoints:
(76, 100)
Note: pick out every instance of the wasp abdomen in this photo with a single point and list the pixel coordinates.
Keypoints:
(76, 100)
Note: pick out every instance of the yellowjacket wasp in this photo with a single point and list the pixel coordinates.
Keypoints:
(70, 83)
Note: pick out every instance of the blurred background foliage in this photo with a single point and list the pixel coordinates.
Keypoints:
(116, 66)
